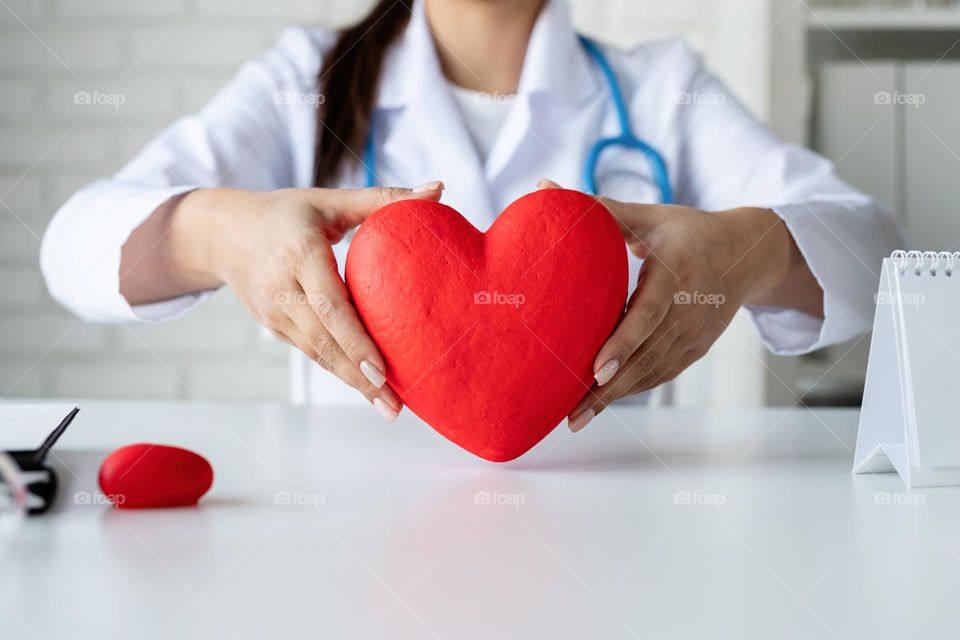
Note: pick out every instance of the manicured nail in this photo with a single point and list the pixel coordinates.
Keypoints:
(374, 375)
(606, 372)
(384, 409)
(544, 183)
(581, 420)
(436, 185)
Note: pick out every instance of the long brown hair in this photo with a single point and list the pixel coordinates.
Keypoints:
(348, 80)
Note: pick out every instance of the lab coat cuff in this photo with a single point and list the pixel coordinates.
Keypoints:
(129, 213)
(168, 309)
(791, 332)
(787, 332)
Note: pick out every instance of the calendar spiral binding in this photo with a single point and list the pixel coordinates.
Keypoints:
(926, 262)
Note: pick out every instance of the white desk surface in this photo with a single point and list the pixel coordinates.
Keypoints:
(385, 534)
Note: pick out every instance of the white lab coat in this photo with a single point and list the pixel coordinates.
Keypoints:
(258, 133)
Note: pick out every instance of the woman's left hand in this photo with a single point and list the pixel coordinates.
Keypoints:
(698, 269)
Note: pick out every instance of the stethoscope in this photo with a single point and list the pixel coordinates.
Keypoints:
(626, 139)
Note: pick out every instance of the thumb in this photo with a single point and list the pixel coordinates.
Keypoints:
(632, 219)
(635, 221)
(348, 208)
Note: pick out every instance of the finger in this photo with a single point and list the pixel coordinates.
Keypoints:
(596, 401)
(647, 308)
(657, 374)
(282, 337)
(686, 361)
(648, 362)
(327, 295)
(352, 206)
(636, 220)
(545, 183)
(622, 385)
(328, 352)
(311, 338)
(695, 341)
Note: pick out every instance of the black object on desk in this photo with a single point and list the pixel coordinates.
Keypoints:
(34, 462)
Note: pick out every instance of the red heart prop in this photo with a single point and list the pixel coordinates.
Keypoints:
(490, 337)
(144, 476)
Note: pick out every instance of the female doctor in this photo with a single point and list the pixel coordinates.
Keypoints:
(260, 189)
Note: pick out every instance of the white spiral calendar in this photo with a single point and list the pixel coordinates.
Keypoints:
(910, 421)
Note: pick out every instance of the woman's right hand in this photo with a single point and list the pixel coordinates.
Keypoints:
(274, 249)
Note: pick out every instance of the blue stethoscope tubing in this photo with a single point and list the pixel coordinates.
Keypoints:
(626, 139)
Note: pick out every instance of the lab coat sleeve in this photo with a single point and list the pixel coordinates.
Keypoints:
(240, 139)
(725, 158)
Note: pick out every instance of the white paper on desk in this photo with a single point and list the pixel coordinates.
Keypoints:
(26, 426)
(910, 422)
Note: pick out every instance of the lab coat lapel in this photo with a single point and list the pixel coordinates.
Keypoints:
(557, 75)
(428, 139)
(432, 130)
(429, 134)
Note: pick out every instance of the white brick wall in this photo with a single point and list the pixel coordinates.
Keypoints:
(167, 58)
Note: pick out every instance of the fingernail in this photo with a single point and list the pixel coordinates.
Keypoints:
(544, 183)
(435, 185)
(581, 420)
(606, 372)
(384, 409)
(374, 375)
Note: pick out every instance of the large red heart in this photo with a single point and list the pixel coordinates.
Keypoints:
(490, 337)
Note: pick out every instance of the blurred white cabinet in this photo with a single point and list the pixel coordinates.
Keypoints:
(893, 129)
(856, 132)
(932, 154)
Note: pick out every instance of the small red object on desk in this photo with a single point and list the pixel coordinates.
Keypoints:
(149, 476)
